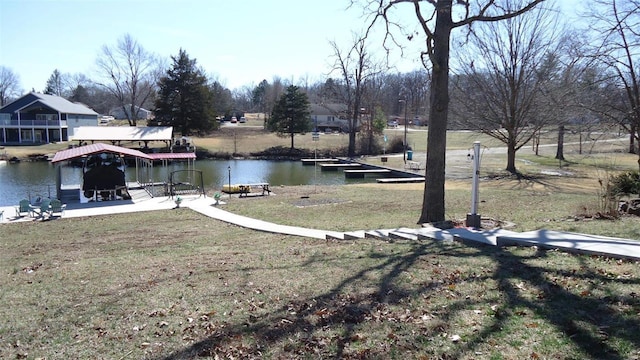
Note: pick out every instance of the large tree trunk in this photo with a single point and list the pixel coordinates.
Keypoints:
(292, 140)
(352, 142)
(560, 150)
(433, 209)
(511, 157)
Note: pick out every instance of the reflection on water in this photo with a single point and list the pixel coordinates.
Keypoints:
(31, 179)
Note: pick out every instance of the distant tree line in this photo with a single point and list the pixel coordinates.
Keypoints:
(511, 79)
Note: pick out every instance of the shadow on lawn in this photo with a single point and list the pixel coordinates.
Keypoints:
(290, 329)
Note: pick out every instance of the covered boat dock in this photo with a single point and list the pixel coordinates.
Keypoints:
(143, 164)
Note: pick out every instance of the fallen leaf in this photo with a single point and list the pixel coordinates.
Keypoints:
(455, 338)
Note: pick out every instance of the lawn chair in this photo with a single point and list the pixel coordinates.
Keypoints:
(23, 207)
(42, 210)
(57, 207)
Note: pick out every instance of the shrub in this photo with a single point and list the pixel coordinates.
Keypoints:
(364, 148)
(627, 183)
(396, 145)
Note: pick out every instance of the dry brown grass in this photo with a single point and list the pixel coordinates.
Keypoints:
(176, 285)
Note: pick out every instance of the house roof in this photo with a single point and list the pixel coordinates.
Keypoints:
(56, 103)
(95, 149)
(128, 107)
(328, 109)
(122, 133)
(59, 104)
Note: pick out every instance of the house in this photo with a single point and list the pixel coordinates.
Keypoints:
(330, 117)
(119, 113)
(38, 118)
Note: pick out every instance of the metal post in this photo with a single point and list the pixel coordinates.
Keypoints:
(229, 168)
(405, 132)
(404, 143)
(473, 218)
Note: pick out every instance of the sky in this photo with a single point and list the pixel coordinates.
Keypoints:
(238, 43)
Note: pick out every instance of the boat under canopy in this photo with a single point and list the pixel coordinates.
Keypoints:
(103, 169)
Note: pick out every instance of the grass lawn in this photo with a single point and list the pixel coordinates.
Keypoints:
(176, 285)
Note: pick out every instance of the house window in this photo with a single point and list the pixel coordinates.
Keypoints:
(26, 135)
(5, 119)
(49, 117)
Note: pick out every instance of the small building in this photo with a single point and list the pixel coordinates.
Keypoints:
(38, 118)
(330, 117)
(141, 113)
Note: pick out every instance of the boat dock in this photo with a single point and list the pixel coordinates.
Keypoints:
(400, 180)
(353, 169)
(336, 166)
(352, 174)
(318, 161)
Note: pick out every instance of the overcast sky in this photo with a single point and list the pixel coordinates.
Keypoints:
(238, 42)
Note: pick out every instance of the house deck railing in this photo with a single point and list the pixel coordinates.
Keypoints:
(28, 123)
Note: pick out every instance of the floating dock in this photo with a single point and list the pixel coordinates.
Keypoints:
(334, 167)
(352, 174)
(318, 161)
(400, 180)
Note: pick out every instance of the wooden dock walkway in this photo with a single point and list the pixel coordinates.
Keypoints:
(401, 180)
(358, 173)
(318, 161)
(335, 167)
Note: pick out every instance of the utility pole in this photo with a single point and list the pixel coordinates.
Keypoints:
(404, 143)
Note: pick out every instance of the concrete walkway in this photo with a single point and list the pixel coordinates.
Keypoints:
(570, 242)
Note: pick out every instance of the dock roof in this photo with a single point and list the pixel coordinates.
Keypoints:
(122, 133)
(81, 151)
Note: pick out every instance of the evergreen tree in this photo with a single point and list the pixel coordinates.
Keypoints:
(55, 84)
(291, 114)
(184, 100)
(80, 94)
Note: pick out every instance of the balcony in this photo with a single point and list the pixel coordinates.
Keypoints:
(32, 123)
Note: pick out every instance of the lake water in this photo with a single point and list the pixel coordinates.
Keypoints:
(31, 179)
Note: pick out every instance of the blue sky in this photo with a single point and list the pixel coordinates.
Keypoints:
(237, 42)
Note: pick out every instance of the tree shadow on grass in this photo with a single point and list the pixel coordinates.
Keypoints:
(591, 323)
(325, 326)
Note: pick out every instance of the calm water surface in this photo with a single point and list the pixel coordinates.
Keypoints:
(31, 179)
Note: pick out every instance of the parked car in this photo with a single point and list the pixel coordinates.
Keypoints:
(243, 119)
(234, 120)
(392, 124)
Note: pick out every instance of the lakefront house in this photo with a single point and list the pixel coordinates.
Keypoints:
(38, 118)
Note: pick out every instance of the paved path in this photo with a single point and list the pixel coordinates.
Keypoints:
(571, 242)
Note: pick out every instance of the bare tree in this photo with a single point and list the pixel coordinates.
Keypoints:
(129, 73)
(273, 93)
(354, 66)
(9, 85)
(616, 24)
(511, 70)
(436, 22)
